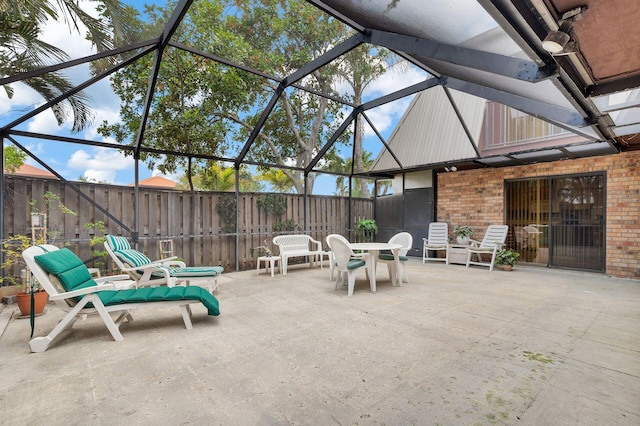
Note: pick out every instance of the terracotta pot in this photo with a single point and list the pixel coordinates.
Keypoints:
(507, 267)
(24, 302)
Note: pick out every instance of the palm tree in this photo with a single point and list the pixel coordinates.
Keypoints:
(21, 51)
(277, 179)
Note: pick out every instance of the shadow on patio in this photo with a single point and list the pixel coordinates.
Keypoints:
(454, 346)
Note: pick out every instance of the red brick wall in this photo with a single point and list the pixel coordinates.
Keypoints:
(476, 198)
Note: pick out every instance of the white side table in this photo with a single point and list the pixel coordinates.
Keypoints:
(272, 263)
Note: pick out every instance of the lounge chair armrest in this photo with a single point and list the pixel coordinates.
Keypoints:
(83, 291)
(174, 263)
(166, 259)
(104, 280)
(474, 242)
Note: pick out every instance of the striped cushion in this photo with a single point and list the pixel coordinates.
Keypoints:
(132, 257)
(196, 271)
(118, 243)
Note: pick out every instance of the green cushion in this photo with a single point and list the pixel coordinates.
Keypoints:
(132, 257)
(117, 243)
(196, 271)
(67, 267)
(355, 263)
(160, 294)
(384, 256)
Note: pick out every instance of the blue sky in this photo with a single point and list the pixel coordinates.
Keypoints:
(75, 161)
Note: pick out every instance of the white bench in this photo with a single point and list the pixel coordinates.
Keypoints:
(296, 246)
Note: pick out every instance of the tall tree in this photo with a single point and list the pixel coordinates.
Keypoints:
(21, 49)
(204, 107)
(359, 68)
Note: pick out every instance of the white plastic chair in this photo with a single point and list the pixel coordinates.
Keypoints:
(332, 260)
(437, 240)
(344, 261)
(406, 241)
(492, 242)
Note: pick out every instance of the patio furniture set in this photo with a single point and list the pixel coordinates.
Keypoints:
(467, 254)
(146, 283)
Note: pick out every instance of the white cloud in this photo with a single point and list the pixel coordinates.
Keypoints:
(101, 164)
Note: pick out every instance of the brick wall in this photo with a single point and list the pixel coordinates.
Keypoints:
(476, 198)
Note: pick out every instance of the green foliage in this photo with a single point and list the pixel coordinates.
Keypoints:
(203, 107)
(96, 242)
(462, 231)
(213, 176)
(276, 205)
(226, 208)
(287, 225)
(367, 228)
(22, 48)
(507, 257)
(13, 158)
(12, 249)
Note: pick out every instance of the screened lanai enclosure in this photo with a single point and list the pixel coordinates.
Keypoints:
(301, 116)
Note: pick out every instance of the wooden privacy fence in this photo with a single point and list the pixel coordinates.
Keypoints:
(201, 227)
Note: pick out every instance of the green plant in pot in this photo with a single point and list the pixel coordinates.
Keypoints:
(368, 228)
(462, 233)
(507, 258)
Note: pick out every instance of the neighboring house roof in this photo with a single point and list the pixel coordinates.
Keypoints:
(158, 182)
(431, 132)
(27, 170)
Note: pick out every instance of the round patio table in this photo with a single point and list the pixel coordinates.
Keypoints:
(374, 249)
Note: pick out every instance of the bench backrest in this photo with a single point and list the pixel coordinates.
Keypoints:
(290, 243)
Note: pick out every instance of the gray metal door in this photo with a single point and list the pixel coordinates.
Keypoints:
(411, 212)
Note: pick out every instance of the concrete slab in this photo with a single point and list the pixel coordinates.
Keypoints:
(454, 346)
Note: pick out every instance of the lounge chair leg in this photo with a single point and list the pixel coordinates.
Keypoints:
(186, 316)
(40, 344)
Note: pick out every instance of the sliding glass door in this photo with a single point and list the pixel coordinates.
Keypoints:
(558, 221)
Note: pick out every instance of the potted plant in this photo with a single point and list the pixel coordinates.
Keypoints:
(507, 258)
(31, 289)
(263, 250)
(368, 228)
(462, 233)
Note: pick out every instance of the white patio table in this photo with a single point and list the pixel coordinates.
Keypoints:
(374, 249)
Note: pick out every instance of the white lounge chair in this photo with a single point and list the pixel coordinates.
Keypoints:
(492, 242)
(169, 271)
(69, 284)
(437, 240)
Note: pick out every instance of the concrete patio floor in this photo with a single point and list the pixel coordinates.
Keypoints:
(455, 346)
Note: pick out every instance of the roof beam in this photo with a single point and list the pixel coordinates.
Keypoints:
(40, 71)
(174, 21)
(418, 87)
(507, 66)
(327, 146)
(339, 50)
(322, 60)
(530, 106)
(77, 89)
(71, 185)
